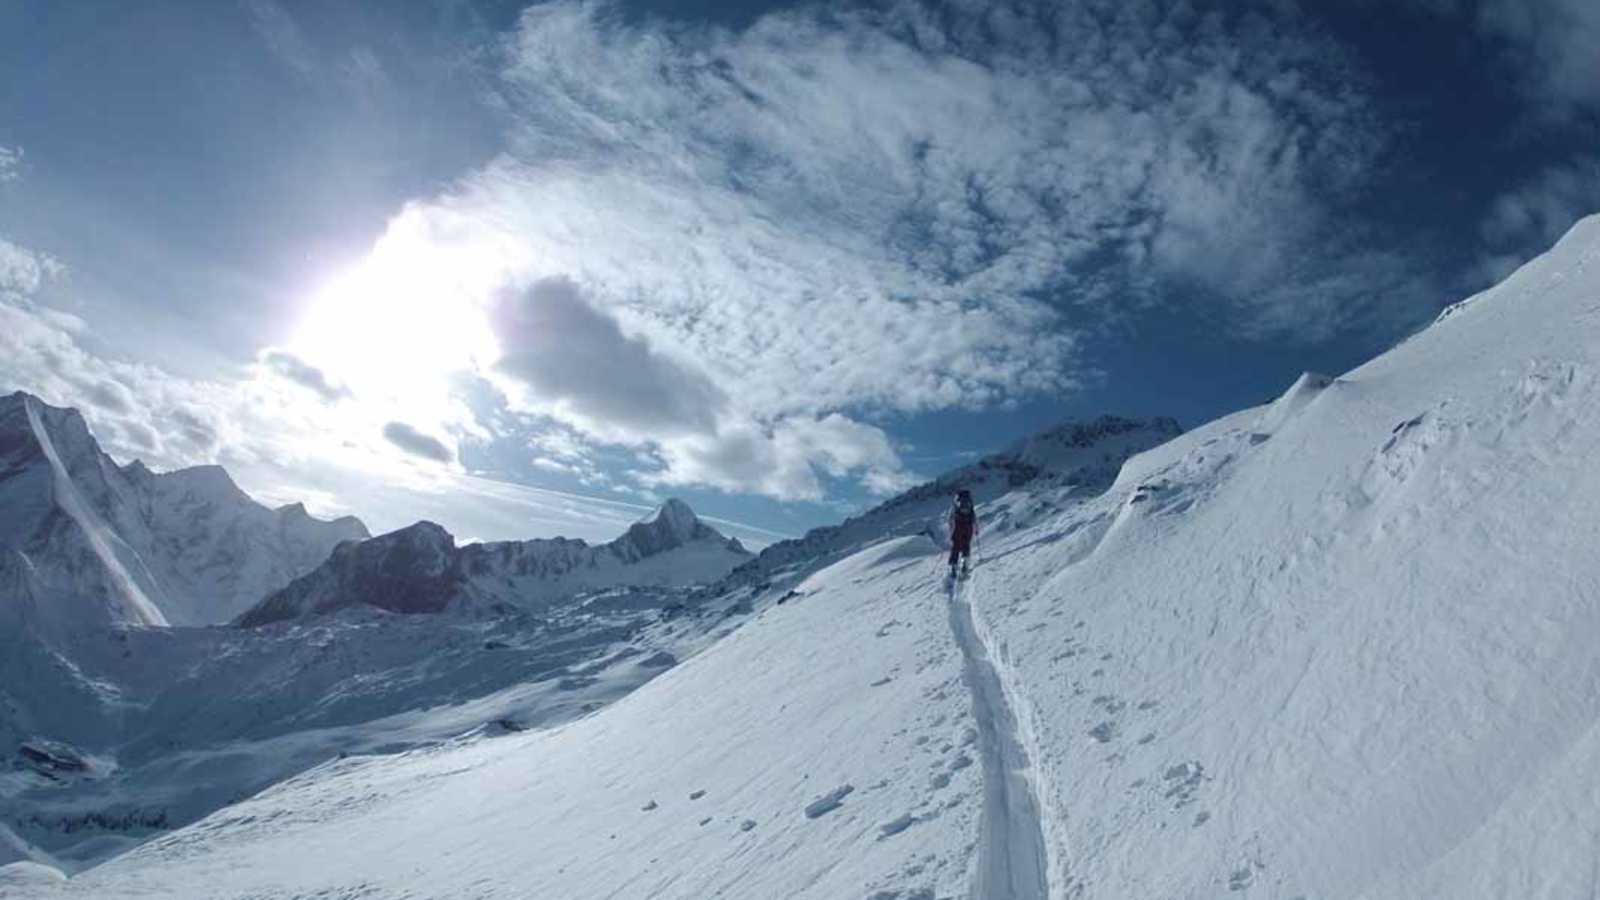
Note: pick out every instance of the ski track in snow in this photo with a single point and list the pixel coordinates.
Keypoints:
(1011, 852)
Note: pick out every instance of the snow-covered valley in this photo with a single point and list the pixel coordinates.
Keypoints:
(1337, 646)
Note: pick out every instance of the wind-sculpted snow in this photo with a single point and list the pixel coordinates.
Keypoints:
(419, 569)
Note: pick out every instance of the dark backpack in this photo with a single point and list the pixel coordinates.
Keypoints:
(965, 514)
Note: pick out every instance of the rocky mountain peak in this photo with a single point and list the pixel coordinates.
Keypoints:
(670, 526)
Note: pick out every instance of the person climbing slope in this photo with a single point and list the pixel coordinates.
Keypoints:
(963, 528)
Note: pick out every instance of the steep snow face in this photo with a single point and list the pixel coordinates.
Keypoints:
(84, 541)
(218, 551)
(419, 569)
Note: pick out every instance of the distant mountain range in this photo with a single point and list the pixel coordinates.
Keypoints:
(86, 541)
(420, 569)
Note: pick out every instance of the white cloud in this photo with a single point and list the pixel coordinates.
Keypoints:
(283, 36)
(10, 163)
(1558, 43)
(838, 173)
(561, 444)
(22, 271)
(1550, 44)
(827, 217)
(277, 443)
(785, 460)
(169, 424)
(1534, 216)
(562, 358)
(1544, 208)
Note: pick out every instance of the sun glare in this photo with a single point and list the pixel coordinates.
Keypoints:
(401, 322)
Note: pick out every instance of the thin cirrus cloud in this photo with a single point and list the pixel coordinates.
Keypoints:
(282, 36)
(1555, 44)
(1536, 214)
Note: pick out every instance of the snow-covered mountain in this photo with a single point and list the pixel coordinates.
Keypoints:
(1338, 646)
(85, 541)
(419, 569)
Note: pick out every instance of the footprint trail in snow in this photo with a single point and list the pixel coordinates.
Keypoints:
(1011, 856)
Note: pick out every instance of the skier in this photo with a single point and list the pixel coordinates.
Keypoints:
(963, 528)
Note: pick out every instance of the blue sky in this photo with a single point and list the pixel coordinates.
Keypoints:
(525, 271)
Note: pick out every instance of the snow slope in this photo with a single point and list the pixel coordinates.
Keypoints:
(1341, 646)
(84, 541)
(825, 749)
(420, 569)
